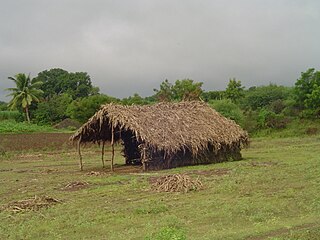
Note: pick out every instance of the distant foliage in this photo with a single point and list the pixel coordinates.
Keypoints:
(269, 119)
(187, 90)
(3, 106)
(164, 94)
(307, 92)
(11, 126)
(228, 109)
(136, 99)
(52, 110)
(57, 81)
(212, 95)
(181, 90)
(234, 91)
(25, 92)
(259, 97)
(10, 115)
(82, 109)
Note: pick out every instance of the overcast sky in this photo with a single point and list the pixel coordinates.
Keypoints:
(131, 46)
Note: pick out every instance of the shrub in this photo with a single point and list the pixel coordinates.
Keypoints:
(269, 119)
(259, 97)
(53, 110)
(10, 115)
(82, 109)
(228, 109)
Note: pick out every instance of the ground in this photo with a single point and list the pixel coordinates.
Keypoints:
(273, 193)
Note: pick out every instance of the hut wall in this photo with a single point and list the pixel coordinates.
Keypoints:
(158, 162)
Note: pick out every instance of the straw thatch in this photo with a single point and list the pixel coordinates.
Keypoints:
(169, 133)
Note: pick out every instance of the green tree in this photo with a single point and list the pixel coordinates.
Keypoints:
(82, 109)
(228, 109)
(164, 94)
(212, 95)
(136, 99)
(263, 96)
(187, 90)
(25, 92)
(58, 81)
(307, 91)
(52, 110)
(181, 90)
(234, 90)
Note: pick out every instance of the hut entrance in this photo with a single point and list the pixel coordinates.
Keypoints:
(131, 148)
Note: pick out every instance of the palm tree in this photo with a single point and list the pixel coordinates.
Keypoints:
(25, 92)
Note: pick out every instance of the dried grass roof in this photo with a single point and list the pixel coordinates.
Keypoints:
(165, 126)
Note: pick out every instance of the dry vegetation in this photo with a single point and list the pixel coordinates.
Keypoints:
(35, 203)
(176, 183)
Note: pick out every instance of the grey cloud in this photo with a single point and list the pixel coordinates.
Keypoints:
(131, 46)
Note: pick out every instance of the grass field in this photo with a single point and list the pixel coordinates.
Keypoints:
(11, 126)
(274, 193)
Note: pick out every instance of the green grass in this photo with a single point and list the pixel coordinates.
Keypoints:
(11, 126)
(274, 193)
(296, 128)
(9, 115)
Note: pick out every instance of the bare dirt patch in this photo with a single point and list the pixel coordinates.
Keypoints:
(216, 172)
(175, 183)
(283, 231)
(262, 164)
(34, 141)
(33, 204)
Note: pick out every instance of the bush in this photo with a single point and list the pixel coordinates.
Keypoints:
(10, 115)
(82, 109)
(11, 126)
(259, 97)
(269, 119)
(228, 109)
(53, 110)
(3, 106)
(250, 123)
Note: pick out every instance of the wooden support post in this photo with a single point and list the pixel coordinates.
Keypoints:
(112, 146)
(80, 157)
(144, 159)
(102, 154)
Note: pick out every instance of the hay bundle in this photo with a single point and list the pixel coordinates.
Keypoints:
(176, 183)
(32, 203)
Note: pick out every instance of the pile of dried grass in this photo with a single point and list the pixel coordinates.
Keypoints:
(31, 204)
(75, 185)
(176, 183)
(94, 173)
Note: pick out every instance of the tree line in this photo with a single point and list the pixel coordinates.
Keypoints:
(56, 94)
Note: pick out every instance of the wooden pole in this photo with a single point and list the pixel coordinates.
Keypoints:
(80, 157)
(112, 147)
(102, 154)
(144, 158)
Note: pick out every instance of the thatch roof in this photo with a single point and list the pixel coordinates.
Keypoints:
(168, 127)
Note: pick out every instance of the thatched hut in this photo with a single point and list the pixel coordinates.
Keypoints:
(165, 135)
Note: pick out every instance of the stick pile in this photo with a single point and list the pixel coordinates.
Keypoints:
(176, 183)
(75, 185)
(32, 203)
